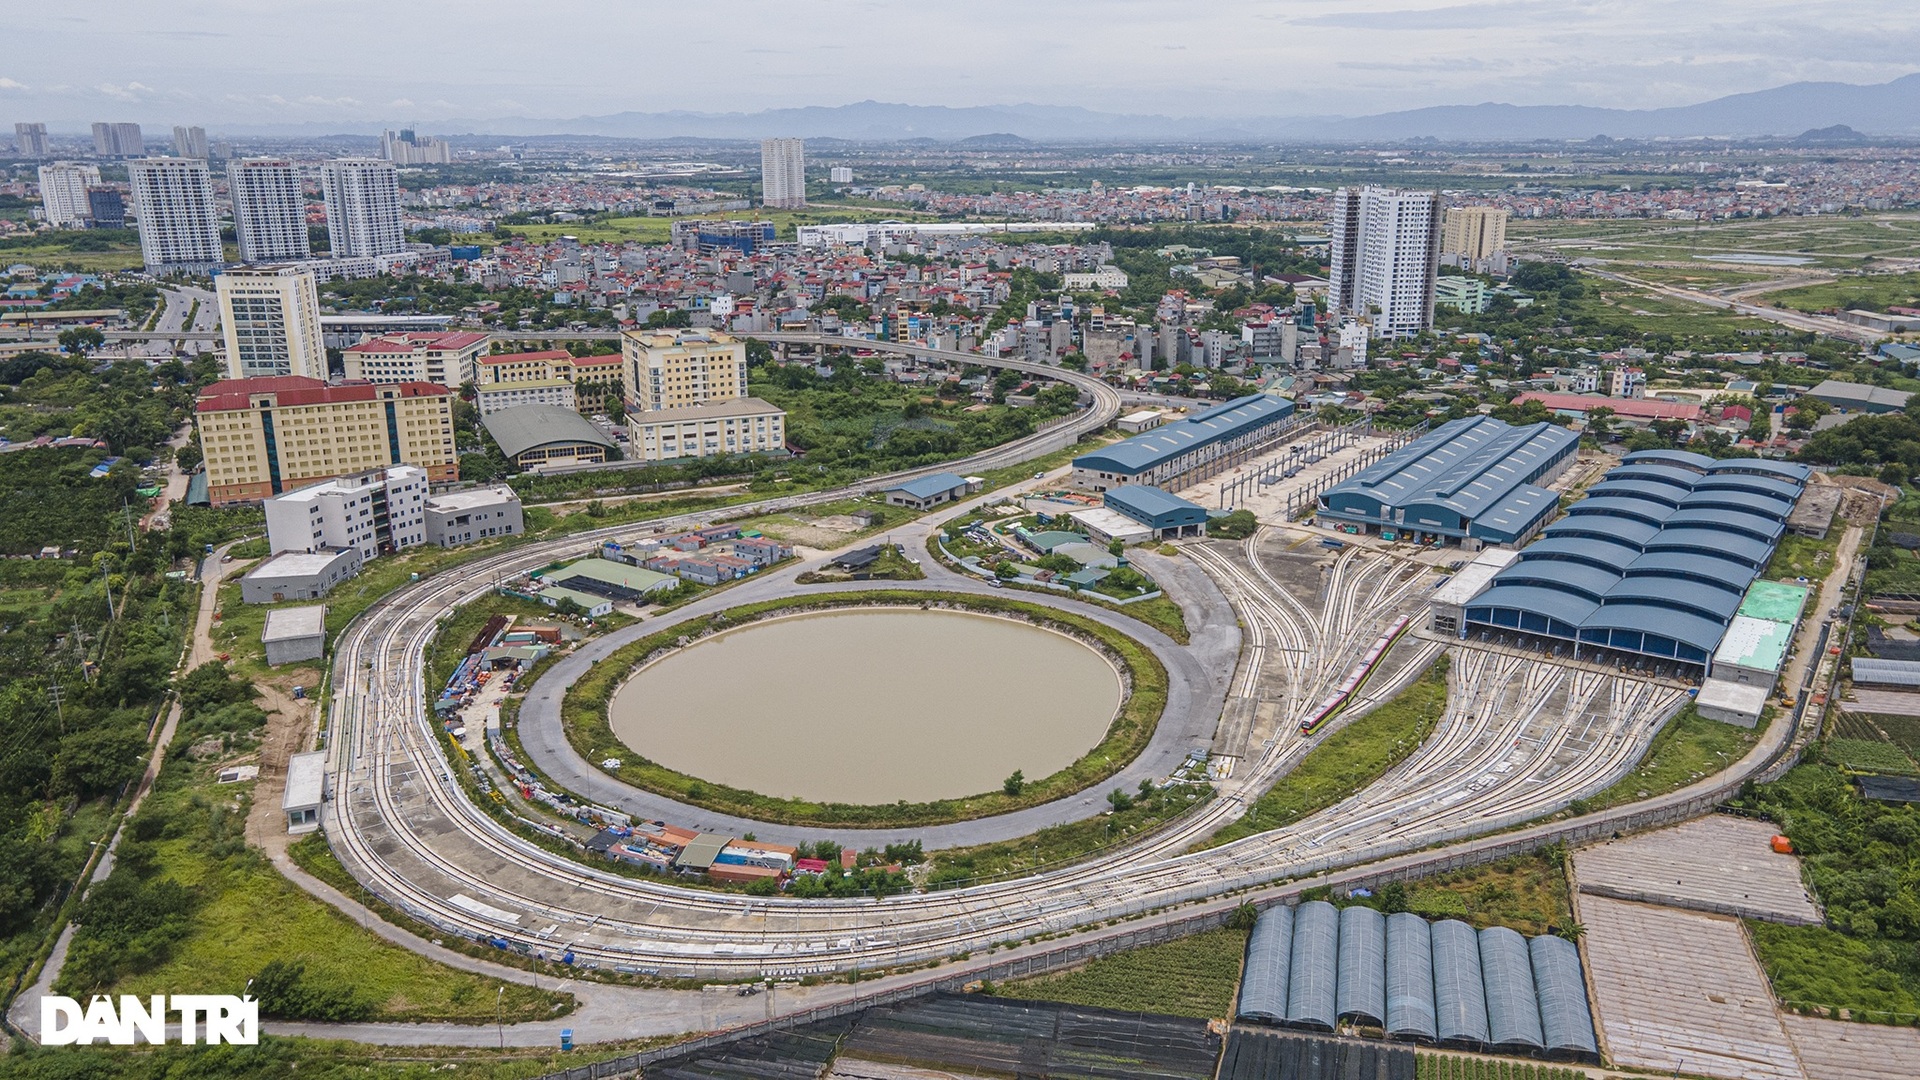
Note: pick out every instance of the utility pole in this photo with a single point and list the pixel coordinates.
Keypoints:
(59, 695)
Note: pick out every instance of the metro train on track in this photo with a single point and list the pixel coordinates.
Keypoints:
(1349, 685)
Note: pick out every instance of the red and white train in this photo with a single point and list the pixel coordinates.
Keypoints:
(1338, 699)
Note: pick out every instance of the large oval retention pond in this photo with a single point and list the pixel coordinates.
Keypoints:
(871, 706)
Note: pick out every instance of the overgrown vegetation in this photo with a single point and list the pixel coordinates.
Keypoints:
(189, 903)
(1460, 1067)
(1862, 859)
(1194, 976)
(1526, 892)
(1691, 747)
(309, 1059)
(1349, 759)
(584, 715)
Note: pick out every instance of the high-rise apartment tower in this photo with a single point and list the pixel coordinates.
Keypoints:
(363, 207)
(31, 139)
(190, 142)
(1385, 254)
(179, 225)
(63, 192)
(118, 140)
(269, 211)
(783, 173)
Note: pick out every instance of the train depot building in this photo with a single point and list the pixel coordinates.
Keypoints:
(1473, 482)
(1183, 452)
(1658, 566)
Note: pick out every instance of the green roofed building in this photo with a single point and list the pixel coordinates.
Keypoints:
(1776, 601)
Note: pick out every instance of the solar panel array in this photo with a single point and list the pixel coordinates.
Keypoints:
(1315, 965)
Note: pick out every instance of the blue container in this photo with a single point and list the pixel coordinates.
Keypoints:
(464, 251)
(566, 1038)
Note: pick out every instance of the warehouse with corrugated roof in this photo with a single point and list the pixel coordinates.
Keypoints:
(1184, 449)
(1473, 481)
(1654, 562)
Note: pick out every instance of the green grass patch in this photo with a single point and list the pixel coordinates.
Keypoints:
(1194, 976)
(1814, 968)
(1058, 844)
(1691, 747)
(584, 716)
(1349, 759)
(220, 914)
(1525, 892)
(1874, 292)
(1804, 557)
(309, 1059)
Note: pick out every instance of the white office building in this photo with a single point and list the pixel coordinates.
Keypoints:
(363, 207)
(63, 192)
(190, 142)
(118, 140)
(179, 225)
(370, 513)
(783, 173)
(270, 316)
(1385, 254)
(31, 140)
(269, 211)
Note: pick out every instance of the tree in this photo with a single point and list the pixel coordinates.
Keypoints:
(1005, 571)
(1119, 800)
(1015, 784)
(81, 340)
(1116, 547)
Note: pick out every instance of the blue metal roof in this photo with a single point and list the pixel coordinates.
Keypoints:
(1696, 630)
(1150, 448)
(1604, 553)
(1713, 541)
(1686, 459)
(1587, 580)
(1146, 502)
(1764, 485)
(1565, 606)
(1659, 492)
(1647, 510)
(1478, 468)
(1656, 472)
(1752, 502)
(1785, 470)
(1726, 573)
(926, 487)
(1605, 527)
(1758, 526)
(1677, 593)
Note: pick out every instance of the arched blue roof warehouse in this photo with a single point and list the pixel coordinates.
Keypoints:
(1655, 561)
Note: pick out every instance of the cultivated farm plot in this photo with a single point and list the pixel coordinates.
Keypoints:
(1876, 743)
(1837, 241)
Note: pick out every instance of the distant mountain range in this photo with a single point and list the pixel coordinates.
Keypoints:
(1884, 110)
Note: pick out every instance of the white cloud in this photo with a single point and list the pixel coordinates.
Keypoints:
(11, 84)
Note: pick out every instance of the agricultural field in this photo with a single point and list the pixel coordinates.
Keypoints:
(1874, 291)
(1195, 976)
(1834, 241)
(1461, 1067)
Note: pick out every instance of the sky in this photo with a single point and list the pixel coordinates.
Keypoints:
(249, 63)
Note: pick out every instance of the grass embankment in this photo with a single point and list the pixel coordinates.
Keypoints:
(1349, 759)
(190, 904)
(954, 867)
(1194, 976)
(1862, 860)
(1161, 613)
(584, 716)
(309, 1059)
(1526, 892)
(1689, 748)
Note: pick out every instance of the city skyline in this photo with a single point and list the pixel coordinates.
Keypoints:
(255, 66)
